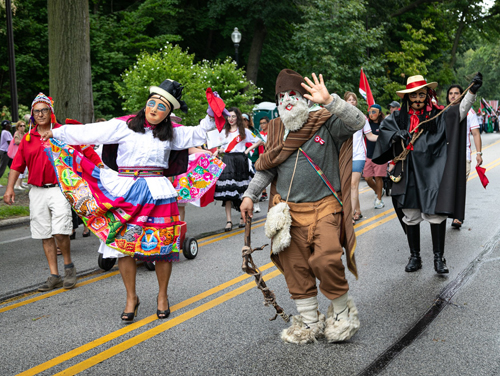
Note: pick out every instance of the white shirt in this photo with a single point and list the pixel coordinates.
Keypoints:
(135, 150)
(472, 123)
(358, 146)
(240, 146)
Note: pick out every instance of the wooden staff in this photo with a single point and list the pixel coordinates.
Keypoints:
(250, 268)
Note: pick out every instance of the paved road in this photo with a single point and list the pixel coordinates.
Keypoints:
(411, 324)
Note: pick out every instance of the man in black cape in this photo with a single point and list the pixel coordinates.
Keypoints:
(429, 184)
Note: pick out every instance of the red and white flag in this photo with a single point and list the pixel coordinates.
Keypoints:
(364, 89)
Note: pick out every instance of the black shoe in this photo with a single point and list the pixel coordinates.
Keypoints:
(413, 235)
(438, 233)
(162, 315)
(73, 236)
(440, 265)
(129, 316)
(86, 234)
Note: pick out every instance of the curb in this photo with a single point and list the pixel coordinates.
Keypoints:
(14, 222)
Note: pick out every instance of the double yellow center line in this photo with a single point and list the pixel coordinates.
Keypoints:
(106, 354)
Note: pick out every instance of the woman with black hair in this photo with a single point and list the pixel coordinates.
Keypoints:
(235, 178)
(133, 211)
(429, 183)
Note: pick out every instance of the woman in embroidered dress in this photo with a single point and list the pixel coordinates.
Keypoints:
(133, 212)
(235, 178)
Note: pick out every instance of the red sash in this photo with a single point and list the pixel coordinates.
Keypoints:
(233, 143)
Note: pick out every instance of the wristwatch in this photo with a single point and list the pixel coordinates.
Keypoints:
(480, 153)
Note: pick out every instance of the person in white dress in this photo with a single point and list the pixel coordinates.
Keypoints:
(133, 211)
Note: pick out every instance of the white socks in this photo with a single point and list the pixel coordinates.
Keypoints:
(308, 309)
(340, 309)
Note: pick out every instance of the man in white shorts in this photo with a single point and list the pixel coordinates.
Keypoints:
(50, 213)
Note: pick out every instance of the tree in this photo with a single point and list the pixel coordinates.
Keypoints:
(333, 40)
(69, 59)
(173, 63)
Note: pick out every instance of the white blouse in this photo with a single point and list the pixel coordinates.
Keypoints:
(240, 146)
(135, 150)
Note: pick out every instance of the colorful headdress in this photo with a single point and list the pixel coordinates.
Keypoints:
(41, 98)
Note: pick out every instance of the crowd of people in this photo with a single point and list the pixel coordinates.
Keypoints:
(312, 157)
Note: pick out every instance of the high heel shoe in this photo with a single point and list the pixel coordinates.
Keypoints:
(163, 314)
(129, 316)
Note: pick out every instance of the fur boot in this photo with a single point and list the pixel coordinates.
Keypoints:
(301, 333)
(339, 329)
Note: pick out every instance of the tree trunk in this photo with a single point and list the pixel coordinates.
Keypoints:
(70, 81)
(256, 50)
(460, 28)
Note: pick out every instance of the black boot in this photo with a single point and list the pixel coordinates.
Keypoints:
(438, 233)
(413, 235)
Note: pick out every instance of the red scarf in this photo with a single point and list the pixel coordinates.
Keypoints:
(414, 122)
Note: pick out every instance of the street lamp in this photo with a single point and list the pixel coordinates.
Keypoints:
(236, 38)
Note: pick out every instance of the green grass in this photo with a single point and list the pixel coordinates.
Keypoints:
(5, 177)
(14, 211)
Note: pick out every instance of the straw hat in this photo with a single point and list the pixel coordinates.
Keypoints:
(415, 83)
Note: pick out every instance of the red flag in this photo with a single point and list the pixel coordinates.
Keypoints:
(482, 176)
(364, 89)
(217, 105)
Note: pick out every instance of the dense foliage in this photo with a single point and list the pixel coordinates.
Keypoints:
(171, 62)
(446, 41)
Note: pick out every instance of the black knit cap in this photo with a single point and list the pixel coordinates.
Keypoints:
(172, 91)
(289, 80)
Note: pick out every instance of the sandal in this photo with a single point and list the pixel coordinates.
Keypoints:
(163, 314)
(129, 316)
(357, 216)
(229, 226)
(456, 223)
(58, 250)
(242, 224)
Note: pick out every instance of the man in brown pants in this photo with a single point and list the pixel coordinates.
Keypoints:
(305, 220)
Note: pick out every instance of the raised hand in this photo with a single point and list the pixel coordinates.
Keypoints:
(318, 93)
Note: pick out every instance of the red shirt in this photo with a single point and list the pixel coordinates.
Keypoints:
(32, 155)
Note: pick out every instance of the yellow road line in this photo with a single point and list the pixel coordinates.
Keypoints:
(376, 224)
(230, 235)
(80, 284)
(55, 292)
(91, 345)
(217, 235)
(362, 223)
(487, 147)
(136, 325)
(117, 349)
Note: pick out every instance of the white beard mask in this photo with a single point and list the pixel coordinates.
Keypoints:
(293, 111)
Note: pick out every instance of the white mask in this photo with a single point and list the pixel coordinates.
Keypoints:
(293, 110)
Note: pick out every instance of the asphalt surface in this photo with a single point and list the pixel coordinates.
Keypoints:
(411, 323)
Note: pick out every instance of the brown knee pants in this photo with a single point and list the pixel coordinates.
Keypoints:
(321, 258)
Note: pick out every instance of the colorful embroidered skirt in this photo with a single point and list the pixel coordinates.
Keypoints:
(135, 224)
(234, 180)
(203, 172)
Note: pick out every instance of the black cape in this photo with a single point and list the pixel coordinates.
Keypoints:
(434, 176)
